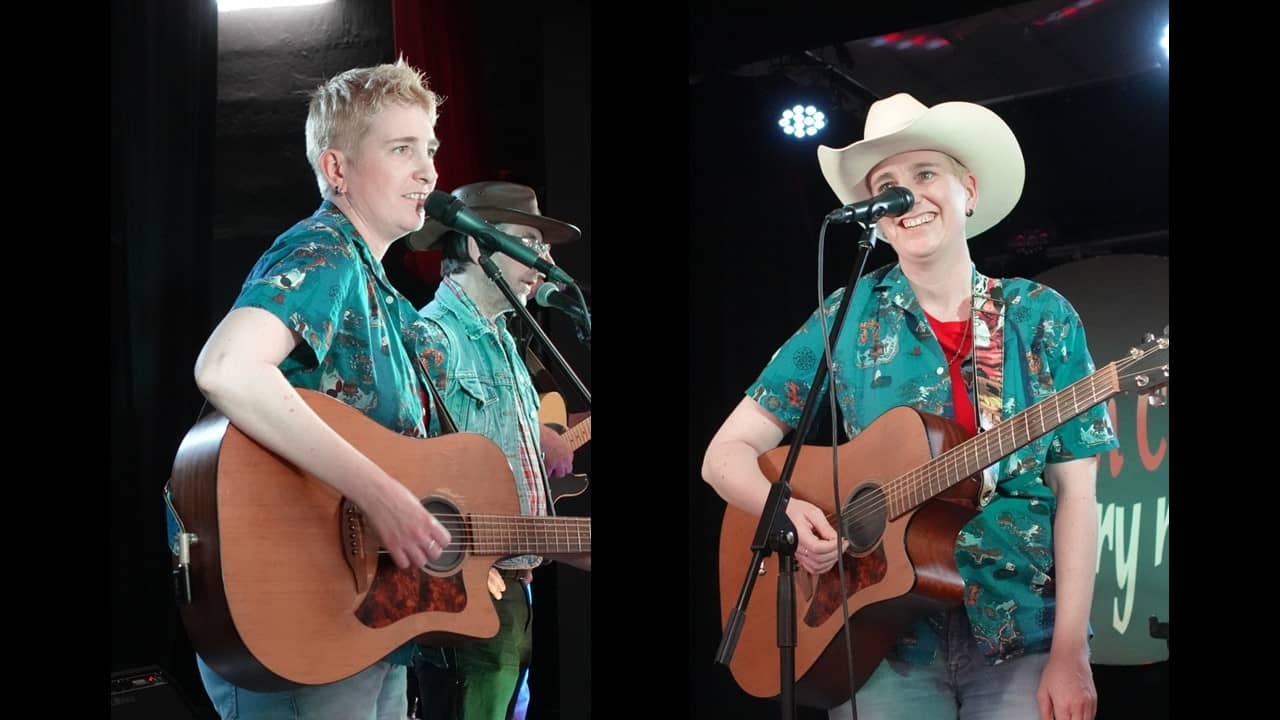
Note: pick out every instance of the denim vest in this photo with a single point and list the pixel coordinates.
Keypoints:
(484, 385)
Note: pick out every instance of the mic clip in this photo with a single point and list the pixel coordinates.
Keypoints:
(850, 213)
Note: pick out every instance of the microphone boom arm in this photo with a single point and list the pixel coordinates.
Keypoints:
(491, 269)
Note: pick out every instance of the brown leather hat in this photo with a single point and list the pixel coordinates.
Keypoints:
(498, 202)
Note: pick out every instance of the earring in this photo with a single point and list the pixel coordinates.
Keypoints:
(968, 213)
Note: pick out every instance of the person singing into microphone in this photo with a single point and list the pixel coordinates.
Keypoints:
(467, 349)
(932, 332)
(317, 312)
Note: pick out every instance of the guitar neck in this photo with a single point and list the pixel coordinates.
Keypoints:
(579, 434)
(987, 448)
(528, 535)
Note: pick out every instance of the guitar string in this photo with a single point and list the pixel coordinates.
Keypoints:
(902, 489)
(504, 545)
(498, 532)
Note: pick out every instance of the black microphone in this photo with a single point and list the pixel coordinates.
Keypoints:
(454, 213)
(894, 201)
(549, 296)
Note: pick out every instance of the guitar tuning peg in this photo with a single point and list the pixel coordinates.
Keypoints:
(1160, 397)
(1149, 337)
(1166, 331)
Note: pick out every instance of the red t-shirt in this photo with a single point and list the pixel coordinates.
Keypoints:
(950, 335)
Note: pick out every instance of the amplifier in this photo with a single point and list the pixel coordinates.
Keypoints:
(148, 693)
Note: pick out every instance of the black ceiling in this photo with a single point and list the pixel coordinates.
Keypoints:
(1083, 83)
(721, 38)
(982, 52)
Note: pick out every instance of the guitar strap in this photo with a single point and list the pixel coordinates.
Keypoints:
(984, 378)
(446, 420)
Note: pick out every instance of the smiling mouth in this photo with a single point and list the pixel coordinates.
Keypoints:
(917, 221)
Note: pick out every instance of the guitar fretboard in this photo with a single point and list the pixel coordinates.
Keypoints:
(579, 434)
(987, 448)
(521, 535)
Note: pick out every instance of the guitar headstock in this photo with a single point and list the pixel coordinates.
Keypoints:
(1145, 370)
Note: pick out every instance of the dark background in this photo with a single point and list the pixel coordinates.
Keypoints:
(1088, 98)
(208, 166)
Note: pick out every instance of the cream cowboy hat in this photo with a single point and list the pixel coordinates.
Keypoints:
(970, 133)
(499, 202)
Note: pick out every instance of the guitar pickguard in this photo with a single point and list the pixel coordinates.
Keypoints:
(396, 594)
(859, 573)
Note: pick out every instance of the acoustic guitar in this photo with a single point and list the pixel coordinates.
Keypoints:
(553, 410)
(909, 483)
(288, 584)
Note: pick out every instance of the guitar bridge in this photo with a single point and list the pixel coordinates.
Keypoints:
(351, 540)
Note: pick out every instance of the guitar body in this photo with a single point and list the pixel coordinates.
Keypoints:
(288, 586)
(552, 409)
(900, 569)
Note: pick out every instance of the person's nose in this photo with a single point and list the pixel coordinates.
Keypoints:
(426, 174)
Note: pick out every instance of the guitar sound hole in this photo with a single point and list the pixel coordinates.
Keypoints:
(448, 515)
(865, 519)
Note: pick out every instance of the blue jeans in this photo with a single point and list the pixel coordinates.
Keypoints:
(378, 693)
(959, 684)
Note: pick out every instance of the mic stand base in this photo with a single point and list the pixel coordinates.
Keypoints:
(774, 533)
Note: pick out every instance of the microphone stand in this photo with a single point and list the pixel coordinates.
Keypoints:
(491, 269)
(776, 533)
(581, 320)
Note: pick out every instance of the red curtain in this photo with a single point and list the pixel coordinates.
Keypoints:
(431, 34)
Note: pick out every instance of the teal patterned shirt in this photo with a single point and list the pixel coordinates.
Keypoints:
(888, 356)
(320, 279)
(323, 283)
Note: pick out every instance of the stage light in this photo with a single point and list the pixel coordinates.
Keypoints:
(1164, 41)
(802, 121)
(229, 5)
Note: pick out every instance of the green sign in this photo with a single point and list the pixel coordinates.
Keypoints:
(1120, 298)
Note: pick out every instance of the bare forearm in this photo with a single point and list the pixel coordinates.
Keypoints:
(1075, 540)
(732, 468)
(260, 402)
(238, 370)
(731, 464)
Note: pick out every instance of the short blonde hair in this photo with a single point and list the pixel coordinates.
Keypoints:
(342, 109)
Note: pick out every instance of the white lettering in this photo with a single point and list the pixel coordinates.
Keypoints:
(1162, 527)
(1104, 532)
(1126, 566)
